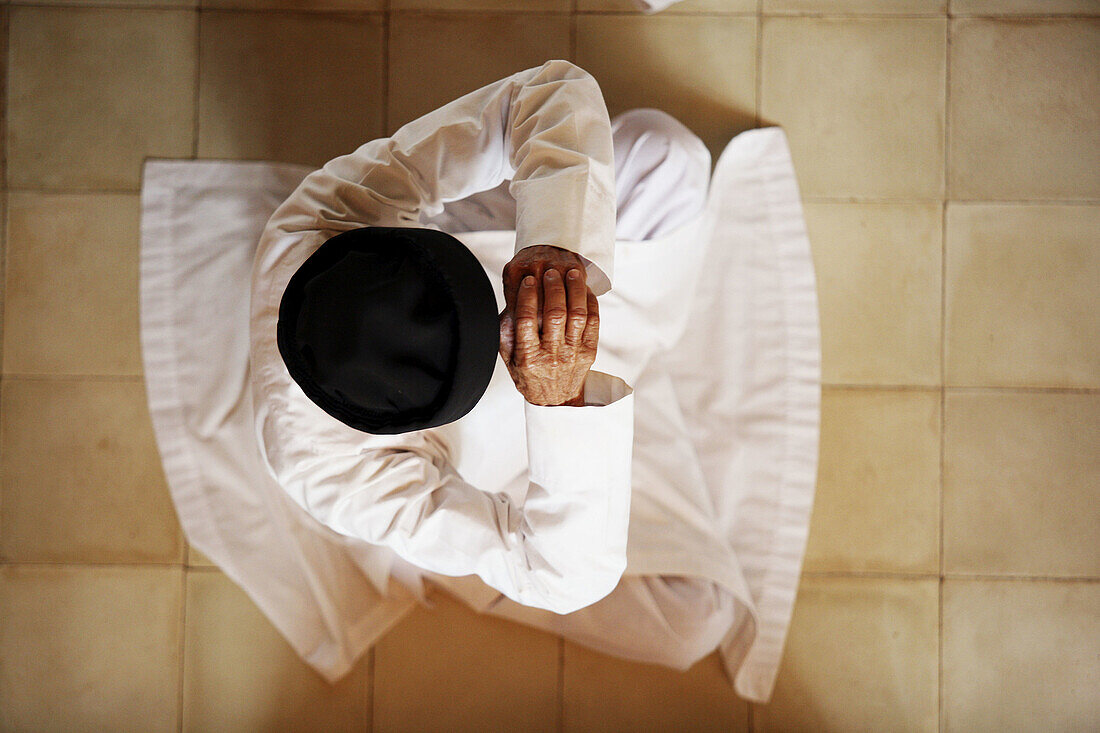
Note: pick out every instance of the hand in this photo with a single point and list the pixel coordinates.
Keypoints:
(535, 260)
(552, 370)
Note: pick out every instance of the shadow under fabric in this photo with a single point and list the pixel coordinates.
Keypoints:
(726, 413)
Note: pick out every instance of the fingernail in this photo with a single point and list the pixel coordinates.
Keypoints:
(550, 274)
(574, 274)
(529, 280)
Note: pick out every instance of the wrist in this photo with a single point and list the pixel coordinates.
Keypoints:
(578, 399)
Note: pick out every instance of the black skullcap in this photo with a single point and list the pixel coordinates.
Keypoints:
(390, 329)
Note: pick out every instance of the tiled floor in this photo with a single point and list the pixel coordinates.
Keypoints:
(949, 159)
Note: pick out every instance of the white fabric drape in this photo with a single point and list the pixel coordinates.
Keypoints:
(726, 390)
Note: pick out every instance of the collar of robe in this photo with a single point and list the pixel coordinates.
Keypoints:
(390, 329)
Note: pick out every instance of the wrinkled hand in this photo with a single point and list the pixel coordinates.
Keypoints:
(551, 369)
(535, 260)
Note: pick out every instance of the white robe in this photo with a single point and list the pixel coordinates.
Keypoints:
(649, 7)
(705, 400)
(560, 542)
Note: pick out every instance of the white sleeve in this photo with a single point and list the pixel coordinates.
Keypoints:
(545, 129)
(564, 548)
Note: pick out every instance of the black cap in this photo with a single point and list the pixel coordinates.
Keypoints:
(390, 329)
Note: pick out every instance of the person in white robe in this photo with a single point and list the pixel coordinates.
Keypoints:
(592, 519)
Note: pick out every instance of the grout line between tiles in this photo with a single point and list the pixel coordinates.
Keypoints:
(198, 81)
(181, 649)
(758, 91)
(1024, 578)
(963, 389)
(940, 689)
(871, 574)
(889, 575)
(573, 32)
(387, 19)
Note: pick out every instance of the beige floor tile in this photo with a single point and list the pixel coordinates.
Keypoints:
(1020, 656)
(82, 478)
(879, 290)
(683, 6)
(241, 674)
(604, 693)
(1024, 7)
(89, 648)
(72, 295)
(270, 90)
(702, 71)
(1025, 108)
(451, 669)
(1022, 286)
(854, 130)
(1021, 472)
(878, 489)
(92, 92)
(863, 7)
(484, 5)
(435, 58)
(861, 654)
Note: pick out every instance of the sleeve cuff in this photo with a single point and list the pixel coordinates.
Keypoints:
(583, 440)
(597, 280)
(601, 390)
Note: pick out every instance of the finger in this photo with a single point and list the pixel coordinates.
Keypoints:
(540, 296)
(512, 280)
(592, 327)
(527, 333)
(511, 290)
(578, 308)
(554, 311)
